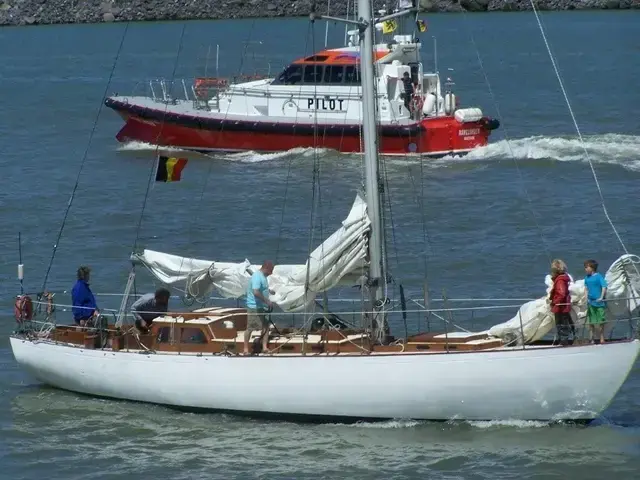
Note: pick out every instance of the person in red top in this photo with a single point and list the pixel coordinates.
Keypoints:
(560, 299)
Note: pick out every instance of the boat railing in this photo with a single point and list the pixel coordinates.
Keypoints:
(450, 318)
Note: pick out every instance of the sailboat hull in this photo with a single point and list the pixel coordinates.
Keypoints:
(537, 383)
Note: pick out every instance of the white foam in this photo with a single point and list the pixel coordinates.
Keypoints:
(135, 146)
(256, 157)
(508, 423)
(611, 148)
(248, 156)
(385, 424)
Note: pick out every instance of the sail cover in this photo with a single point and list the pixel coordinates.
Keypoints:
(339, 259)
(623, 298)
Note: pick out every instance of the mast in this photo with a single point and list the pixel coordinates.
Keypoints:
(371, 160)
(377, 269)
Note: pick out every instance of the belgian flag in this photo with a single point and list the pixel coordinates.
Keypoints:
(170, 169)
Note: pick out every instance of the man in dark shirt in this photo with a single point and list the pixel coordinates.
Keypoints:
(148, 307)
(408, 90)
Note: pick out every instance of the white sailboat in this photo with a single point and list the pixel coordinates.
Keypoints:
(190, 359)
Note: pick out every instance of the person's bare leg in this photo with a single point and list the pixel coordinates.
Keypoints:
(602, 333)
(265, 339)
(247, 335)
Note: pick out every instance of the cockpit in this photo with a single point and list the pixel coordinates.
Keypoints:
(317, 74)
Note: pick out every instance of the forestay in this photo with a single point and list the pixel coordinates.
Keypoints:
(339, 259)
(623, 297)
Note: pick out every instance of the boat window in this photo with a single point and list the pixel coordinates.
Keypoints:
(319, 74)
(333, 74)
(313, 74)
(415, 72)
(351, 75)
(292, 75)
(193, 335)
(316, 58)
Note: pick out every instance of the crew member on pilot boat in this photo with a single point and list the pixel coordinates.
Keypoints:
(258, 304)
(408, 90)
(149, 307)
(84, 307)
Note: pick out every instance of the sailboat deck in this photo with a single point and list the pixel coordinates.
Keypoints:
(221, 331)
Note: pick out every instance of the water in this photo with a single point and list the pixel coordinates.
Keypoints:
(493, 221)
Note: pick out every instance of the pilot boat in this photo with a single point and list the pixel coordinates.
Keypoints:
(315, 102)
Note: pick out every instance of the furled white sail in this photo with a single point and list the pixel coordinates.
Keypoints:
(623, 297)
(339, 259)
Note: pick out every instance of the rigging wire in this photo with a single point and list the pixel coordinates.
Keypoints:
(188, 292)
(151, 172)
(84, 158)
(575, 124)
(545, 243)
(290, 163)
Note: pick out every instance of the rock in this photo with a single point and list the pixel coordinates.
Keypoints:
(14, 12)
(29, 20)
(474, 5)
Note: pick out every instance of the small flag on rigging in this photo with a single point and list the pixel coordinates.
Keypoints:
(422, 26)
(170, 168)
(389, 26)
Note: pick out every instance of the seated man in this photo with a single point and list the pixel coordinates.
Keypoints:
(148, 307)
(84, 306)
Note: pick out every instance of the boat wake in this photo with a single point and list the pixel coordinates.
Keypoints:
(484, 424)
(611, 148)
(241, 157)
(135, 146)
(256, 157)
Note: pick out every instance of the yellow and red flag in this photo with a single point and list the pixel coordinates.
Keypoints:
(170, 169)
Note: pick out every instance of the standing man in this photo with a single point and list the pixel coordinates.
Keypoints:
(408, 91)
(148, 307)
(258, 304)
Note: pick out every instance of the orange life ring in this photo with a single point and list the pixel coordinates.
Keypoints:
(23, 308)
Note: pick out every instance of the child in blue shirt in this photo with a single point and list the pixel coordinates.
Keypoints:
(596, 286)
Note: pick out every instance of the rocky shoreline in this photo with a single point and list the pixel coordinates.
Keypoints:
(45, 12)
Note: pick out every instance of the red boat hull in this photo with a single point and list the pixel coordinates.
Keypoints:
(432, 136)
